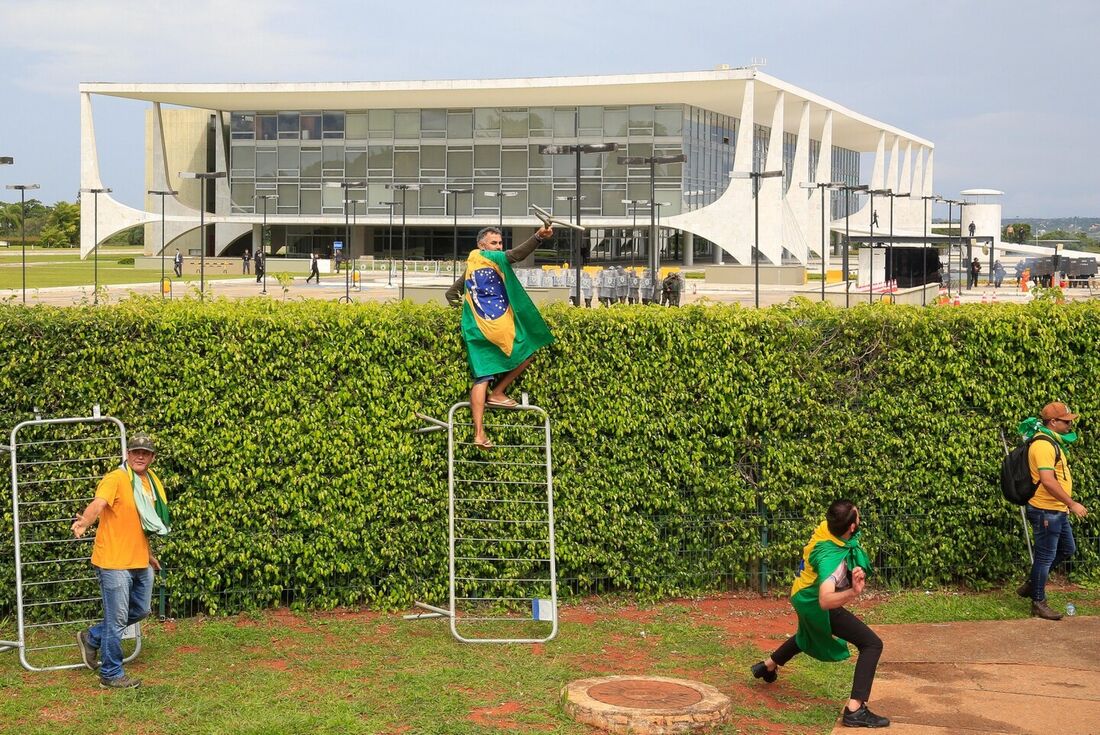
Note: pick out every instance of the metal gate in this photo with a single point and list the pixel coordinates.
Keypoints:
(502, 569)
(55, 467)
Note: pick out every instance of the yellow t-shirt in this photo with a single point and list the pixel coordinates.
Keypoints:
(120, 542)
(1040, 456)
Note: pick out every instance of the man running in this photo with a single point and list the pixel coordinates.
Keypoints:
(833, 573)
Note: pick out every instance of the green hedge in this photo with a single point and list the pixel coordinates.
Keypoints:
(689, 444)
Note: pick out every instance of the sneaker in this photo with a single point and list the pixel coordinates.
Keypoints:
(87, 651)
(119, 682)
(760, 671)
(863, 717)
(1042, 610)
(1024, 590)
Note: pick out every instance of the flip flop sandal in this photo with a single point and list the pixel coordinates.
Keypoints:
(485, 445)
(506, 403)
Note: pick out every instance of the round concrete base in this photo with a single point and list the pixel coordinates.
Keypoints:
(645, 705)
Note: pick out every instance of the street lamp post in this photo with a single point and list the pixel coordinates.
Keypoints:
(23, 225)
(404, 189)
(354, 223)
(202, 177)
(924, 252)
(346, 185)
(263, 236)
(871, 243)
(847, 239)
(756, 176)
(634, 228)
(823, 185)
(162, 193)
(892, 269)
(389, 241)
(655, 251)
(950, 246)
(454, 210)
(500, 197)
(95, 243)
(573, 233)
(577, 150)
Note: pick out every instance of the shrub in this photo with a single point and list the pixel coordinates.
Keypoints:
(687, 442)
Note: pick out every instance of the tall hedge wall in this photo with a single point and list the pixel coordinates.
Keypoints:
(687, 442)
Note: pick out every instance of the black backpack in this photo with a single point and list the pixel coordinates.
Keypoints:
(1016, 483)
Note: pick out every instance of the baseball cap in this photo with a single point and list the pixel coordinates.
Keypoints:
(1057, 410)
(141, 441)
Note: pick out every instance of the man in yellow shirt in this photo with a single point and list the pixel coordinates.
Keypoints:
(1048, 510)
(122, 559)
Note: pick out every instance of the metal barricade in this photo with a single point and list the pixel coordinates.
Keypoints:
(55, 467)
(502, 568)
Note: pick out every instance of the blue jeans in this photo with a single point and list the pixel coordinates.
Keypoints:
(1053, 545)
(127, 595)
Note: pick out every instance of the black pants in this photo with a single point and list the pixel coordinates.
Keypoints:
(850, 628)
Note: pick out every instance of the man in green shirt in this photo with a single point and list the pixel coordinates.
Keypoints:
(833, 574)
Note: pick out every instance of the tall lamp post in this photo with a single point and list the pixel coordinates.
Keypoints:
(823, 185)
(346, 185)
(23, 225)
(95, 243)
(572, 233)
(263, 235)
(577, 150)
(655, 250)
(634, 228)
(162, 193)
(354, 213)
(950, 246)
(389, 240)
(756, 176)
(847, 238)
(871, 244)
(500, 197)
(924, 251)
(403, 188)
(891, 268)
(454, 191)
(202, 177)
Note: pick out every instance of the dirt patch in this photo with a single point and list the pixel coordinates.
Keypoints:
(276, 664)
(499, 717)
(188, 649)
(60, 715)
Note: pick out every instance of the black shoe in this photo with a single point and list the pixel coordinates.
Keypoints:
(87, 652)
(1024, 590)
(1042, 610)
(863, 717)
(119, 682)
(760, 671)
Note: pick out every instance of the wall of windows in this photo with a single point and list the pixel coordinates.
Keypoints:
(292, 154)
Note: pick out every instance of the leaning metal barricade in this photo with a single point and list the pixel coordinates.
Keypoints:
(55, 466)
(502, 569)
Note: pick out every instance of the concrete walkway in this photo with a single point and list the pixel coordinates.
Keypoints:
(1024, 677)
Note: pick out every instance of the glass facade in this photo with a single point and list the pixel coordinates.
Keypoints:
(293, 153)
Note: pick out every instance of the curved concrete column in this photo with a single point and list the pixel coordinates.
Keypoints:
(798, 199)
(112, 216)
(771, 190)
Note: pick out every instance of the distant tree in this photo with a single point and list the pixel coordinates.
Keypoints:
(62, 227)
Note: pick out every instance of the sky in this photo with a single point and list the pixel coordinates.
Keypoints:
(1006, 89)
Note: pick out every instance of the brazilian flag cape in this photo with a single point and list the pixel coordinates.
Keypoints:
(500, 324)
(820, 558)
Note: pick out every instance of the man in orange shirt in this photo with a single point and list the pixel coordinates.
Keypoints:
(122, 559)
(1048, 510)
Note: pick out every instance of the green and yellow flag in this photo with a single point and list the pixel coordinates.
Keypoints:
(500, 324)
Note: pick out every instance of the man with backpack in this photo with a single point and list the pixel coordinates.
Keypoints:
(1049, 508)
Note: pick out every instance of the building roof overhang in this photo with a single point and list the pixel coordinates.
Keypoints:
(720, 91)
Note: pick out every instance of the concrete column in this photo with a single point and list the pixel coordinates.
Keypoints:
(687, 240)
(257, 238)
(718, 255)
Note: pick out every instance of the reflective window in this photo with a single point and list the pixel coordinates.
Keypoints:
(380, 123)
(267, 127)
(311, 162)
(380, 156)
(565, 123)
(615, 121)
(357, 126)
(406, 124)
(332, 124)
(311, 126)
(288, 125)
(513, 123)
(460, 125)
(242, 125)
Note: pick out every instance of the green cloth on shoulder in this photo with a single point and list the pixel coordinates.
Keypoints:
(815, 631)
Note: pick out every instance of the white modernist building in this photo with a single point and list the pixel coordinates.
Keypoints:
(291, 147)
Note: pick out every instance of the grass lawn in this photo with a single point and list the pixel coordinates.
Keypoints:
(363, 672)
(47, 268)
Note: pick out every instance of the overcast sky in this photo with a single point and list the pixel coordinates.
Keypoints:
(1006, 89)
